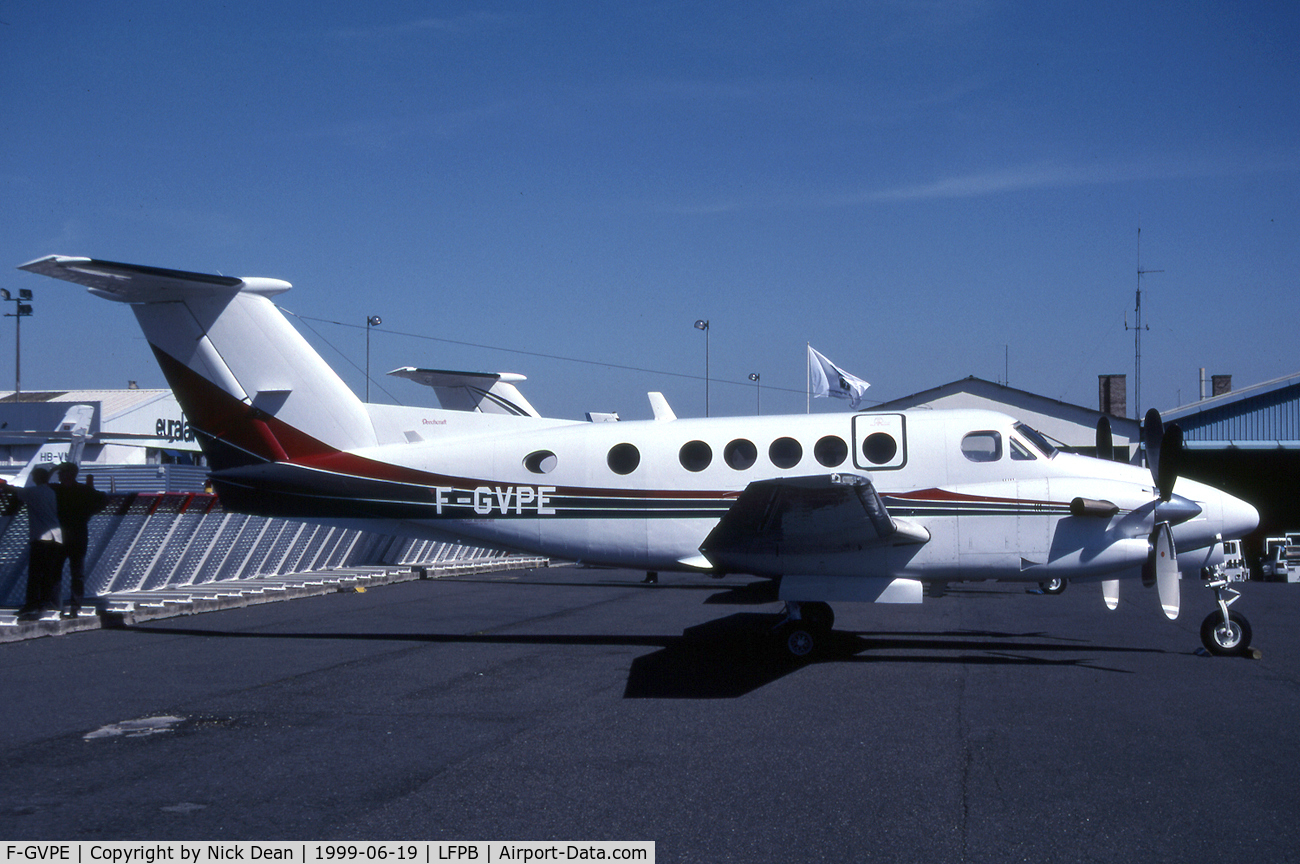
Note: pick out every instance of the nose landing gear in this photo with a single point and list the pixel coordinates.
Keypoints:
(1224, 633)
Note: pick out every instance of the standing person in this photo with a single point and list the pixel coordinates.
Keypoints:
(45, 561)
(76, 504)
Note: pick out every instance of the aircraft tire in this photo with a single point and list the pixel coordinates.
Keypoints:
(1230, 641)
(798, 641)
(1054, 586)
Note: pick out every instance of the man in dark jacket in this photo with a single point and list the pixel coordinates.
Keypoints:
(77, 503)
(45, 559)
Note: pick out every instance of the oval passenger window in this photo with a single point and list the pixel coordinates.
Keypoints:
(695, 455)
(785, 452)
(879, 448)
(623, 458)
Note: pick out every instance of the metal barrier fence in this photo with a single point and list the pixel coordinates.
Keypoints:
(165, 541)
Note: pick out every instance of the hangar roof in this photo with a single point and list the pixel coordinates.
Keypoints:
(1266, 415)
(1073, 425)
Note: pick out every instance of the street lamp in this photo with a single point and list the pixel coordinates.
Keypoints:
(372, 321)
(22, 309)
(758, 393)
(704, 325)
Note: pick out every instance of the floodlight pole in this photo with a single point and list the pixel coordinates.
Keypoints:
(758, 394)
(704, 325)
(372, 321)
(22, 309)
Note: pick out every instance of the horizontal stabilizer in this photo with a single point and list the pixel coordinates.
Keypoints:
(482, 392)
(135, 283)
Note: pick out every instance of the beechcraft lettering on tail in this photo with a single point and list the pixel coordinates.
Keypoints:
(859, 506)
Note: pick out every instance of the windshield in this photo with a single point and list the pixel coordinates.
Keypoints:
(1034, 437)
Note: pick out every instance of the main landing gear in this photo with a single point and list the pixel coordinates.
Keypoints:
(804, 629)
(1224, 632)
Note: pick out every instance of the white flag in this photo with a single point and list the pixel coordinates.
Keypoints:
(830, 380)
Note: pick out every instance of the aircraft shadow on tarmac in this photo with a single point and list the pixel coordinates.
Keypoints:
(734, 655)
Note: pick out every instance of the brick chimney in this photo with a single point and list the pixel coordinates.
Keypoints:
(1112, 392)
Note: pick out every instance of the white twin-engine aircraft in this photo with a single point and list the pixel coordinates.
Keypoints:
(862, 506)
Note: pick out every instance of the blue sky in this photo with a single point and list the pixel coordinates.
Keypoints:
(922, 190)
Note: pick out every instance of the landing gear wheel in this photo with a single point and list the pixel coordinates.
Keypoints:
(1053, 586)
(799, 640)
(819, 616)
(1226, 639)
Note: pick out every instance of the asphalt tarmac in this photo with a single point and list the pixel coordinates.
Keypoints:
(571, 704)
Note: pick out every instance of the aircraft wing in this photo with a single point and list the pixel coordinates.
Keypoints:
(485, 392)
(795, 519)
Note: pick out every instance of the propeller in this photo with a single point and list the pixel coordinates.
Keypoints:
(1153, 433)
(1164, 447)
(1166, 567)
(1105, 441)
(1164, 453)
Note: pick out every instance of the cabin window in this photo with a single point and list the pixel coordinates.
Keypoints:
(831, 451)
(982, 446)
(540, 462)
(785, 452)
(740, 454)
(623, 458)
(879, 448)
(695, 455)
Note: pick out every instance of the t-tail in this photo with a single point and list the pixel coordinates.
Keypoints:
(64, 445)
(252, 388)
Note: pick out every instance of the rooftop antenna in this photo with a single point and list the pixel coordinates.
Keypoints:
(1137, 329)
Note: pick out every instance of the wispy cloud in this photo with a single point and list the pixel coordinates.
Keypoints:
(1054, 175)
(1045, 175)
(1018, 178)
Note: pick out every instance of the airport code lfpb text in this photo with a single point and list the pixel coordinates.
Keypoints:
(481, 852)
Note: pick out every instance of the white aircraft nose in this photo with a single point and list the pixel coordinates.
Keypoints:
(1239, 518)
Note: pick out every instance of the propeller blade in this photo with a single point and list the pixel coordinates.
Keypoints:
(1105, 440)
(1153, 433)
(1166, 567)
(1171, 451)
(1110, 593)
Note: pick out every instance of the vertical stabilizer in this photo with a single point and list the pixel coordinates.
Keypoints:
(252, 388)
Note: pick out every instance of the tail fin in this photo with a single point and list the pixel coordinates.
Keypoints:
(64, 446)
(251, 387)
(484, 392)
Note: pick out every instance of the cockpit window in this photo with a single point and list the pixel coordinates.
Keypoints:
(1034, 437)
(1020, 452)
(982, 446)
